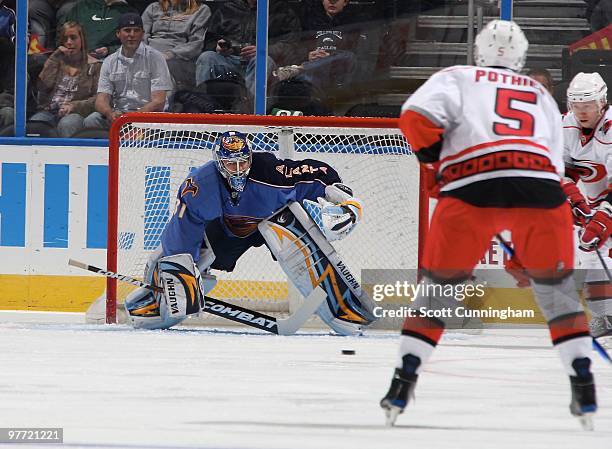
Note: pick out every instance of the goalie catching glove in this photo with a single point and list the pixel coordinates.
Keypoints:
(580, 208)
(340, 212)
(597, 232)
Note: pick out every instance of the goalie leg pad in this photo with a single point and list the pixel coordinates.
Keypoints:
(142, 308)
(182, 294)
(310, 262)
(181, 281)
(339, 326)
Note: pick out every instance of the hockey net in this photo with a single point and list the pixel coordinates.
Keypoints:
(151, 154)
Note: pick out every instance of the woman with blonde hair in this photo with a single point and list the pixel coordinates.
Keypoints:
(68, 83)
(177, 29)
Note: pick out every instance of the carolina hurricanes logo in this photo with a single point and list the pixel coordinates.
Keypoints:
(589, 171)
(189, 187)
(606, 126)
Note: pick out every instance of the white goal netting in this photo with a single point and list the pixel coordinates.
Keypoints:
(154, 158)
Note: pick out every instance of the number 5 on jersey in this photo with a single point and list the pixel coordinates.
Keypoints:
(504, 109)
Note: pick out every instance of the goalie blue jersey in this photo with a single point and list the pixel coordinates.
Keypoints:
(272, 183)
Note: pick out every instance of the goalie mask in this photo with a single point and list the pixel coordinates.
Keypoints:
(233, 156)
(501, 43)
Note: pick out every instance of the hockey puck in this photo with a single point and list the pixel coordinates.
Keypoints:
(348, 352)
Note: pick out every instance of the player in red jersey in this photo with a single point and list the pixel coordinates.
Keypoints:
(492, 137)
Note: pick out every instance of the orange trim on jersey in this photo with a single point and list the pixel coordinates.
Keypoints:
(480, 146)
(598, 291)
(565, 328)
(419, 130)
(430, 329)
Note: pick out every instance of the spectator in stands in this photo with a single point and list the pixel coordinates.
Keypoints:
(67, 83)
(99, 19)
(333, 40)
(7, 111)
(141, 5)
(7, 22)
(544, 77)
(177, 29)
(599, 13)
(230, 41)
(134, 78)
(44, 16)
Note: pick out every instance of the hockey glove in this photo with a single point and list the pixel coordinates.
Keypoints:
(597, 231)
(580, 208)
(339, 219)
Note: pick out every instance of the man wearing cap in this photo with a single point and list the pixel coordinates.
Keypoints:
(134, 78)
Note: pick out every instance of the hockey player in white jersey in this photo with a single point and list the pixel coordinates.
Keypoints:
(588, 158)
(492, 137)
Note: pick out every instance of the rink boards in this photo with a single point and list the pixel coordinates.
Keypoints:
(53, 206)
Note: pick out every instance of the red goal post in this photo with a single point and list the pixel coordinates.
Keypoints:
(151, 153)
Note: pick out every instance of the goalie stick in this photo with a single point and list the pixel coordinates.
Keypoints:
(248, 317)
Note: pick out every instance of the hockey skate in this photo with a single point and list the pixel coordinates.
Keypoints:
(584, 402)
(401, 390)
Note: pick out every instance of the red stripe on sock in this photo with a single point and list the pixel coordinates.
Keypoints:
(431, 329)
(565, 327)
(598, 291)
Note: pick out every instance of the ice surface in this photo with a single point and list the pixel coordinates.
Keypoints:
(113, 387)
